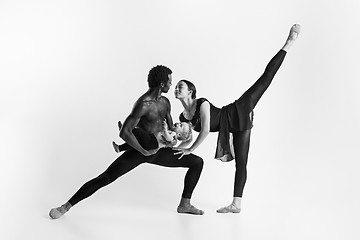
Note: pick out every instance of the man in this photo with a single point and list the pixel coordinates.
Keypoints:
(148, 114)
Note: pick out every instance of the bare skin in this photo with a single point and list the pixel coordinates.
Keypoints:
(148, 113)
(183, 93)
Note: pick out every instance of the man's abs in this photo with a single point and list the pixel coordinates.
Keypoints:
(152, 121)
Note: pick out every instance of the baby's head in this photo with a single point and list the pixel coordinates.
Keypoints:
(183, 131)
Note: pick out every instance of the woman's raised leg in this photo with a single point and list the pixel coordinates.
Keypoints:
(254, 93)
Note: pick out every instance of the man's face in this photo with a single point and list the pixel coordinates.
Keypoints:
(168, 84)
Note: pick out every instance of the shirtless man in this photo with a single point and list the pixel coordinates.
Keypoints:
(148, 113)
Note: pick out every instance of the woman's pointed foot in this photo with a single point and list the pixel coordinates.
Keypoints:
(294, 32)
(293, 35)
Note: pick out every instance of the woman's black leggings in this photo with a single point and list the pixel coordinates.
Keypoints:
(131, 159)
(241, 140)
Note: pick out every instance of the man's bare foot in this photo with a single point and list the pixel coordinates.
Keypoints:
(293, 35)
(189, 209)
(58, 212)
(186, 207)
(116, 147)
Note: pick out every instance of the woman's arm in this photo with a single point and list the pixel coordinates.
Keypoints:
(205, 129)
(205, 125)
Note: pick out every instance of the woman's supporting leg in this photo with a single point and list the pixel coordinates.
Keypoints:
(241, 147)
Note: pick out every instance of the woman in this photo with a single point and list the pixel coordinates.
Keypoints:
(233, 122)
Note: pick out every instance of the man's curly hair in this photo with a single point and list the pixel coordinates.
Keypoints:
(157, 75)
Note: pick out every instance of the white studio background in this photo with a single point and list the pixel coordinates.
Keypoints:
(69, 70)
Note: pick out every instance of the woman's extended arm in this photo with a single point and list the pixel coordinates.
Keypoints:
(205, 129)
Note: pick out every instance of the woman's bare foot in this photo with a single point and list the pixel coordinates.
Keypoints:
(293, 35)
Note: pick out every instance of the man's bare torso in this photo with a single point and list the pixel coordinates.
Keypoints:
(155, 112)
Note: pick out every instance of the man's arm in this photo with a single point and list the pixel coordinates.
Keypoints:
(130, 123)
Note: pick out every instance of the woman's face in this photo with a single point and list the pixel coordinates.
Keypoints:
(182, 91)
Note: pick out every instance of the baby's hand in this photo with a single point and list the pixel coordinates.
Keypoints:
(165, 125)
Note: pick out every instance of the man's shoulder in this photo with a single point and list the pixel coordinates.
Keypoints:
(145, 100)
(142, 105)
(148, 100)
(165, 99)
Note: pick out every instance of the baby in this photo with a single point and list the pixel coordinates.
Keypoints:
(164, 138)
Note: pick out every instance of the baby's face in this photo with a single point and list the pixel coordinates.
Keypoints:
(181, 127)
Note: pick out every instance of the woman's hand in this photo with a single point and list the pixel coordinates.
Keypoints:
(182, 151)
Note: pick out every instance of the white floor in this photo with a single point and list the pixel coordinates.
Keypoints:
(100, 221)
(150, 213)
(287, 196)
(292, 194)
